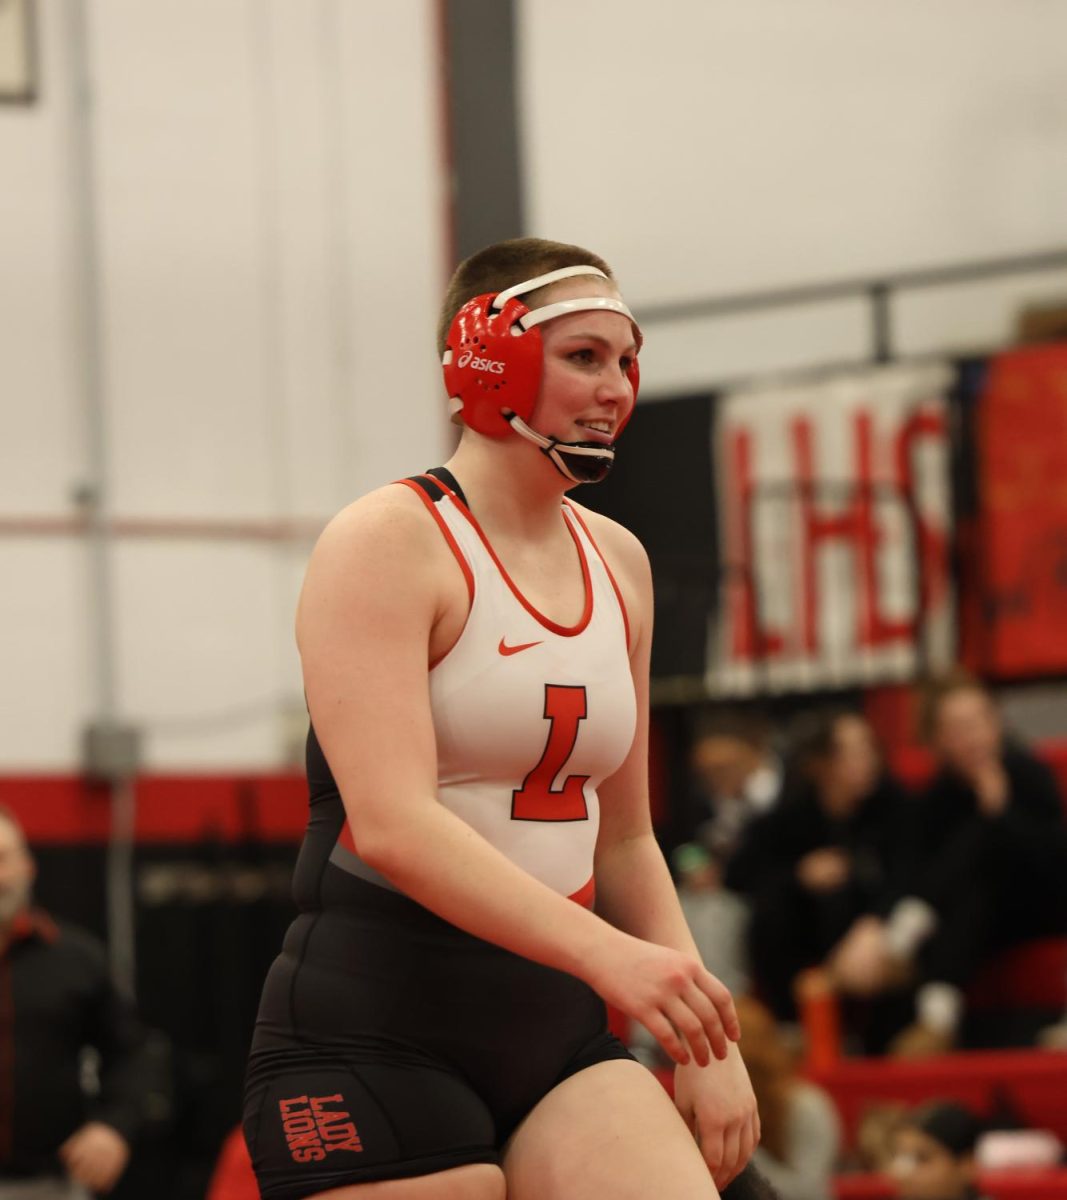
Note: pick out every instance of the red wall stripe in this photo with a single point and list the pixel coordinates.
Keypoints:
(170, 808)
(68, 810)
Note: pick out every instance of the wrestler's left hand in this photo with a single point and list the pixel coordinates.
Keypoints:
(718, 1105)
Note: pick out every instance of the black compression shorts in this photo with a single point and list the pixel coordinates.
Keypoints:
(391, 1044)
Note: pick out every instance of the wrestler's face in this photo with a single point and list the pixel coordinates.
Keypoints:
(16, 871)
(923, 1169)
(585, 392)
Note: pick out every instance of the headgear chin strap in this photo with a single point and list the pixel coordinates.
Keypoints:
(494, 359)
(580, 462)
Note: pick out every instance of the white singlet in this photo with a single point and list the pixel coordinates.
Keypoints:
(529, 715)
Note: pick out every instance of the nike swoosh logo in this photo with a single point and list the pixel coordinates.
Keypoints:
(505, 649)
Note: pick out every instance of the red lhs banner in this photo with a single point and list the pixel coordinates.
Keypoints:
(834, 514)
(1022, 514)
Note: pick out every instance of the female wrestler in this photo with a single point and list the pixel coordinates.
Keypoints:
(475, 653)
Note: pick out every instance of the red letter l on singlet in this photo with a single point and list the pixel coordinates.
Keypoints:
(535, 800)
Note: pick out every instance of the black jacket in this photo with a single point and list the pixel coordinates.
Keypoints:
(56, 999)
(1030, 834)
(774, 844)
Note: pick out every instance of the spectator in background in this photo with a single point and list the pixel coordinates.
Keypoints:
(984, 867)
(933, 1153)
(736, 776)
(801, 1132)
(56, 1143)
(820, 860)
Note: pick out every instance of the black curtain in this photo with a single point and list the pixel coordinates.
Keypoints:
(662, 488)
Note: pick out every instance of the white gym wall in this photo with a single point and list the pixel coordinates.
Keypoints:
(711, 147)
(271, 240)
(271, 245)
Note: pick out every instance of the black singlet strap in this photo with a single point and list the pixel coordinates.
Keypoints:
(446, 477)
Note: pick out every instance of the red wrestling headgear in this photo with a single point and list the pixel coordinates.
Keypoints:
(493, 360)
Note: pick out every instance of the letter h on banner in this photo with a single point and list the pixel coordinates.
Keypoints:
(870, 498)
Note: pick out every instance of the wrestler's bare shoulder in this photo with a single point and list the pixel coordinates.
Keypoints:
(385, 537)
(390, 521)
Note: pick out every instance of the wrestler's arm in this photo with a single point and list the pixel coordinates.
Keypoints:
(634, 887)
(376, 585)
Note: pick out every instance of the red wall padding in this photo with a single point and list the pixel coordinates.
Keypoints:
(997, 1185)
(1021, 533)
(1032, 1081)
(170, 808)
(271, 808)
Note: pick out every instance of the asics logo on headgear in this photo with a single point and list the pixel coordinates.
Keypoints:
(468, 359)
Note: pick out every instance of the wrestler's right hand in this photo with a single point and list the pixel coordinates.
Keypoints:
(685, 1008)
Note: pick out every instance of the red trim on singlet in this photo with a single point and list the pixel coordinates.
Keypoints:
(555, 627)
(454, 547)
(586, 894)
(449, 538)
(600, 554)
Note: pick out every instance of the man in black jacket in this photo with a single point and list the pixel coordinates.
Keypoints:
(57, 1000)
(985, 867)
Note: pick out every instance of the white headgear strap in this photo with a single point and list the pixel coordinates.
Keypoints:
(561, 308)
(531, 285)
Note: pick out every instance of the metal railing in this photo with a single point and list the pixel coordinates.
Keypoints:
(879, 291)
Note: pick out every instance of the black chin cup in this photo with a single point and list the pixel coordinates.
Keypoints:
(580, 462)
(584, 462)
